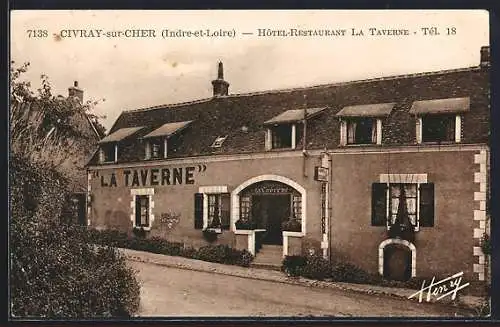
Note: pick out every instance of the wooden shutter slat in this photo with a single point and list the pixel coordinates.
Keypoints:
(427, 205)
(379, 204)
(198, 210)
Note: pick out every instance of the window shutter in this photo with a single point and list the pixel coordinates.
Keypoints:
(427, 205)
(137, 211)
(198, 210)
(379, 204)
(225, 211)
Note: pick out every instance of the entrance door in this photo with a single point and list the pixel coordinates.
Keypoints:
(271, 211)
(397, 262)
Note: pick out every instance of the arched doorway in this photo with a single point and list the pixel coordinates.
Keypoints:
(268, 201)
(397, 259)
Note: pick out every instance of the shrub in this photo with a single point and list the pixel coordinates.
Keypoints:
(56, 271)
(56, 274)
(347, 272)
(486, 244)
(292, 225)
(245, 224)
(293, 264)
(316, 268)
(210, 235)
(139, 232)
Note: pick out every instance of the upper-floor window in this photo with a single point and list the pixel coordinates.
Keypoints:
(362, 124)
(440, 120)
(285, 131)
(108, 152)
(156, 148)
(361, 131)
(438, 128)
(109, 145)
(158, 141)
(284, 136)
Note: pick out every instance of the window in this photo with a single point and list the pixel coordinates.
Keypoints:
(156, 148)
(361, 131)
(438, 128)
(285, 136)
(297, 207)
(142, 208)
(282, 136)
(403, 203)
(218, 141)
(212, 208)
(108, 153)
(245, 207)
(218, 211)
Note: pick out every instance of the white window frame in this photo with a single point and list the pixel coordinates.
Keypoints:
(102, 156)
(458, 129)
(142, 191)
(389, 179)
(343, 132)
(269, 138)
(149, 150)
(206, 190)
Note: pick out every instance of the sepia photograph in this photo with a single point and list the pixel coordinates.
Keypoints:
(176, 164)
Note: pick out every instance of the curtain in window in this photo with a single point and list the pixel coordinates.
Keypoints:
(351, 132)
(374, 131)
(408, 192)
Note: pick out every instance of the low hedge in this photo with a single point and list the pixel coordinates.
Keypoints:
(212, 253)
(316, 267)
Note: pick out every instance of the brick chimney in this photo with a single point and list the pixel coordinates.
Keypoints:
(485, 56)
(221, 87)
(75, 91)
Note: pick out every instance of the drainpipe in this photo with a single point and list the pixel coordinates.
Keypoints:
(304, 151)
(330, 206)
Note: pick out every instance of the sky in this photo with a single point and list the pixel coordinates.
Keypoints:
(131, 73)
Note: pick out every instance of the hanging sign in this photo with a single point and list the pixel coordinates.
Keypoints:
(321, 174)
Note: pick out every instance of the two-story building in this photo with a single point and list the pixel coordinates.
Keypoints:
(389, 173)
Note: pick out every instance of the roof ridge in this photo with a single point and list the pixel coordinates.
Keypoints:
(289, 90)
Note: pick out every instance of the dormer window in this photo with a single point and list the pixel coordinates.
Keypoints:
(109, 152)
(156, 146)
(440, 120)
(218, 142)
(109, 145)
(362, 124)
(285, 130)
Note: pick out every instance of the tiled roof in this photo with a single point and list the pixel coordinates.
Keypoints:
(168, 129)
(451, 105)
(294, 115)
(367, 110)
(243, 116)
(120, 134)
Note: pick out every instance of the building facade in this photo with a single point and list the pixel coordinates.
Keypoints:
(390, 174)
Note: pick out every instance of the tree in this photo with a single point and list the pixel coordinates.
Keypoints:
(55, 270)
(48, 128)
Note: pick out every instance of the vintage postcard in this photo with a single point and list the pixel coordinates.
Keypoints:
(257, 163)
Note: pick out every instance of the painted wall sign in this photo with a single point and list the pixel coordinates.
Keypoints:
(154, 176)
(268, 187)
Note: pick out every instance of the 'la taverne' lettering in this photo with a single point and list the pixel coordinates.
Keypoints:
(156, 177)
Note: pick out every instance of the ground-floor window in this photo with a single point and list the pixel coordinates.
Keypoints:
(142, 207)
(410, 204)
(218, 211)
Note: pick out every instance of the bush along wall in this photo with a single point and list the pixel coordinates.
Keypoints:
(316, 267)
(212, 253)
(54, 271)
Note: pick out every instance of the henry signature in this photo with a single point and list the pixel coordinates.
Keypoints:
(442, 288)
